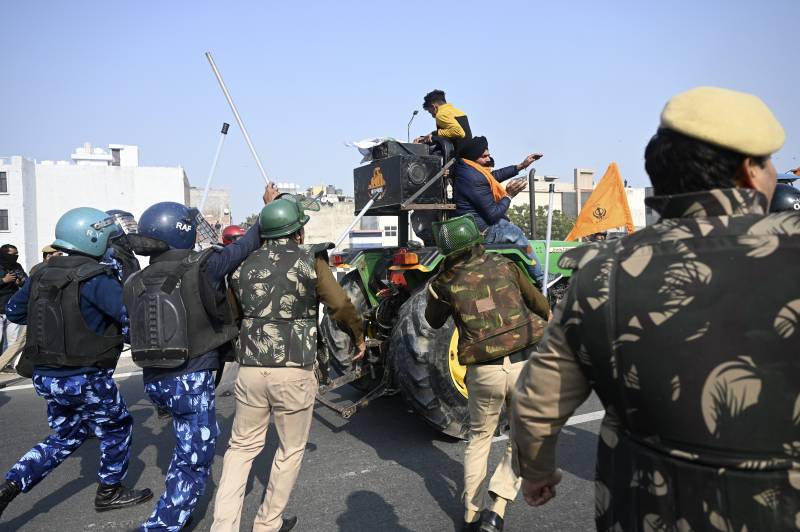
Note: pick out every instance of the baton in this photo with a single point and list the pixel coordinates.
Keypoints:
(237, 117)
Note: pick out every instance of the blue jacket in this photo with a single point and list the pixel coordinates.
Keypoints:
(101, 305)
(473, 195)
(217, 267)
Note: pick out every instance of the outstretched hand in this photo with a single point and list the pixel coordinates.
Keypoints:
(270, 193)
(541, 491)
(529, 160)
(515, 187)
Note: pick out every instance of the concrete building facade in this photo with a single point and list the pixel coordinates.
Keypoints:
(38, 193)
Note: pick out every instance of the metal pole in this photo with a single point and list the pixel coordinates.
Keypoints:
(532, 200)
(213, 170)
(551, 191)
(238, 118)
(360, 215)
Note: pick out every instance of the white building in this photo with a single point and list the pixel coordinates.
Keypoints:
(34, 195)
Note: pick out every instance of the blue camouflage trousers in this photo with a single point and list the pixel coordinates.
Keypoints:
(190, 400)
(77, 406)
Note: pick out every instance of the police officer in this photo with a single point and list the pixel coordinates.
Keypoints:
(231, 234)
(699, 378)
(74, 311)
(279, 288)
(500, 316)
(180, 318)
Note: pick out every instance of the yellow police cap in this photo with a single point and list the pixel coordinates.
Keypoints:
(49, 249)
(735, 120)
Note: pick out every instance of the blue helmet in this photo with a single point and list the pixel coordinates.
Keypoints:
(170, 222)
(84, 230)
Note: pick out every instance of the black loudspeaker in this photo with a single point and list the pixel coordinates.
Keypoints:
(391, 147)
(396, 179)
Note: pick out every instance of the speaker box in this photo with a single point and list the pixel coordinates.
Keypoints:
(396, 179)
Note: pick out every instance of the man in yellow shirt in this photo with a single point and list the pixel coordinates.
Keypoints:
(451, 122)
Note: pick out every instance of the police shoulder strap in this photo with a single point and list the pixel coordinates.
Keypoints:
(184, 266)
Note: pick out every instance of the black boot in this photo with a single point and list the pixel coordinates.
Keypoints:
(8, 490)
(470, 527)
(113, 496)
(490, 522)
(288, 523)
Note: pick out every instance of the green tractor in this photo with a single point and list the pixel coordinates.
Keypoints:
(387, 286)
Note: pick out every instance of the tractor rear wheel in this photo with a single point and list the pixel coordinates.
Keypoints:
(426, 368)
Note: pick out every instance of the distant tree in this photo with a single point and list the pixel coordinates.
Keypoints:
(562, 224)
(250, 221)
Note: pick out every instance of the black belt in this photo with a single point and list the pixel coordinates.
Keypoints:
(519, 356)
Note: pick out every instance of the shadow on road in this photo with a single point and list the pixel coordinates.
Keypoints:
(573, 457)
(399, 436)
(370, 508)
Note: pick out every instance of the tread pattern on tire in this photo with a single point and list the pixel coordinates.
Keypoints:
(419, 355)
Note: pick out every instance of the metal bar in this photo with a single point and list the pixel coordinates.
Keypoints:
(432, 207)
(551, 191)
(427, 185)
(345, 379)
(532, 200)
(360, 215)
(213, 170)
(238, 118)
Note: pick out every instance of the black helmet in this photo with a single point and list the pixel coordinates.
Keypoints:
(786, 198)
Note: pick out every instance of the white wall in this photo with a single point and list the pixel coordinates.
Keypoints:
(60, 188)
(20, 201)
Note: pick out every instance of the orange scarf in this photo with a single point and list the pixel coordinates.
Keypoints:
(498, 190)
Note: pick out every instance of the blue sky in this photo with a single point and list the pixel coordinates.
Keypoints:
(582, 81)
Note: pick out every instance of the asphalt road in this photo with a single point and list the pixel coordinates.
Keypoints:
(382, 470)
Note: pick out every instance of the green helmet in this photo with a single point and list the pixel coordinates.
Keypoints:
(456, 234)
(282, 217)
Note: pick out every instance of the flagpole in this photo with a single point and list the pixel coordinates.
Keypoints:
(549, 233)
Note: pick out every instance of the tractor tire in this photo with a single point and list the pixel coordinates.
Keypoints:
(337, 341)
(422, 372)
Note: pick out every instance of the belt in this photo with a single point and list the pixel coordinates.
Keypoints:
(519, 356)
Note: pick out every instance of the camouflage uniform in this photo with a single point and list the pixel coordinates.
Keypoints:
(77, 406)
(500, 316)
(189, 398)
(279, 288)
(695, 362)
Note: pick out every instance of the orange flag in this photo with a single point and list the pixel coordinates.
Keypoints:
(606, 208)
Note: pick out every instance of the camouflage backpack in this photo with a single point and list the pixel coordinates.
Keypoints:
(489, 311)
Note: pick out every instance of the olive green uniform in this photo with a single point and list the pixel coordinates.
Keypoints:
(500, 316)
(279, 288)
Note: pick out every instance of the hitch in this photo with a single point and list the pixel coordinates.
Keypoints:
(349, 409)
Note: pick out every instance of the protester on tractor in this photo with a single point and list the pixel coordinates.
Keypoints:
(699, 378)
(500, 317)
(451, 123)
(478, 190)
(279, 289)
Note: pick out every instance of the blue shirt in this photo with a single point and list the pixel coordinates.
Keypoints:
(101, 306)
(473, 194)
(217, 267)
